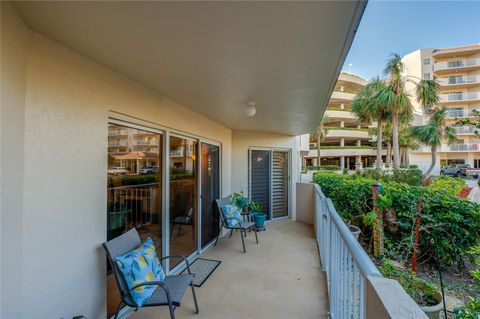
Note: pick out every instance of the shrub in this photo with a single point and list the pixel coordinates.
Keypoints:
(456, 220)
(450, 185)
(411, 176)
(423, 292)
(324, 168)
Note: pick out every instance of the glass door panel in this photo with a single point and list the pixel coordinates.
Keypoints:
(280, 184)
(134, 190)
(183, 199)
(210, 183)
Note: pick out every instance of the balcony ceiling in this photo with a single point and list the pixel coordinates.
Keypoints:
(215, 56)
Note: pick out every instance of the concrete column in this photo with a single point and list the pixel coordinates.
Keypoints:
(342, 106)
(342, 124)
(342, 162)
(348, 162)
(359, 142)
(342, 142)
(359, 126)
(342, 89)
(358, 163)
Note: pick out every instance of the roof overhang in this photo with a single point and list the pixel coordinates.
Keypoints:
(215, 56)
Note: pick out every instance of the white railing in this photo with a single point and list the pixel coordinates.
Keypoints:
(456, 64)
(147, 142)
(453, 113)
(454, 80)
(117, 143)
(465, 129)
(345, 262)
(459, 147)
(461, 96)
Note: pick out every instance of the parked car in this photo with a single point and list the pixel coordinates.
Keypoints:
(148, 170)
(117, 171)
(459, 170)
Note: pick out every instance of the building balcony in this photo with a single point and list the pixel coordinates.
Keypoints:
(336, 113)
(353, 133)
(143, 142)
(343, 96)
(456, 65)
(118, 133)
(117, 143)
(465, 130)
(344, 151)
(461, 147)
(459, 81)
(459, 97)
(460, 113)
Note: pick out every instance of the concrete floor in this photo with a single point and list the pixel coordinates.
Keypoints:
(278, 278)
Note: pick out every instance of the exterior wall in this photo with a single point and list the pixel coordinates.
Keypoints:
(243, 141)
(68, 101)
(14, 44)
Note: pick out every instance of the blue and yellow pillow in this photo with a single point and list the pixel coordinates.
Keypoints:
(138, 266)
(231, 211)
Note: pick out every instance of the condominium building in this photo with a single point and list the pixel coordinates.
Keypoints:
(347, 142)
(457, 70)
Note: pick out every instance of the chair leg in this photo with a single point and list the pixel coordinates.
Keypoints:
(171, 231)
(118, 309)
(231, 233)
(256, 237)
(243, 241)
(194, 298)
(172, 311)
(179, 229)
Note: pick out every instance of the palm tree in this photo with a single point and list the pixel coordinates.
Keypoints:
(320, 134)
(367, 108)
(396, 98)
(434, 133)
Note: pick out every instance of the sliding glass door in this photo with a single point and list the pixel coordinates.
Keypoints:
(260, 169)
(210, 191)
(134, 190)
(183, 197)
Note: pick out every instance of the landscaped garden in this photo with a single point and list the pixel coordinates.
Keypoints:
(404, 201)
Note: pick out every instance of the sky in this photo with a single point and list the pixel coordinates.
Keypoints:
(405, 26)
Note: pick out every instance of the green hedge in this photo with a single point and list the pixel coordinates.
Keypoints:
(324, 168)
(411, 176)
(456, 220)
(452, 186)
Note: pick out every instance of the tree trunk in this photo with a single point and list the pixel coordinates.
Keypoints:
(388, 159)
(396, 147)
(379, 144)
(407, 157)
(319, 141)
(434, 160)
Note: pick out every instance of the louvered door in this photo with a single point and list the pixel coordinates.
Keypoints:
(260, 178)
(279, 184)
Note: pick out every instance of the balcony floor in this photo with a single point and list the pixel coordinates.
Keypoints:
(279, 278)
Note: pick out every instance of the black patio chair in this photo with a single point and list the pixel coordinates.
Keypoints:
(242, 226)
(168, 293)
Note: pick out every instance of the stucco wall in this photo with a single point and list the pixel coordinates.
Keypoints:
(243, 141)
(67, 103)
(14, 51)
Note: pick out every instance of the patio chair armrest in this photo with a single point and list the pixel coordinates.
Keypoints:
(181, 257)
(151, 283)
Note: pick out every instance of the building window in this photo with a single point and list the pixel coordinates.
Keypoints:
(426, 76)
(476, 163)
(426, 61)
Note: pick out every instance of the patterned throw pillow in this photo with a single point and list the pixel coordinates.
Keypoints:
(138, 266)
(231, 211)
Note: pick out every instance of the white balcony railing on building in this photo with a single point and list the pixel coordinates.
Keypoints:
(460, 96)
(454, 113)
(117, 143)
(345, 262)
(462, 147)
(143, 142)
(462, 63)
(465, 129)
(455, 80)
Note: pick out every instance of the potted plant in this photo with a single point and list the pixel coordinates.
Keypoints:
(422, 292)
(258, 216)
(239, 199)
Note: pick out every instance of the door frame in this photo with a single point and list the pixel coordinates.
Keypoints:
(219, 145)
(289, 187)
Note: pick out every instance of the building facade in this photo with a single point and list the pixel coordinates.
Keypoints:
(347, 143)
(457, 71)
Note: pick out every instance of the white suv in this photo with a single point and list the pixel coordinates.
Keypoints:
(117, 171)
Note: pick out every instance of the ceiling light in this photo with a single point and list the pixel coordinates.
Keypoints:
(250, 110)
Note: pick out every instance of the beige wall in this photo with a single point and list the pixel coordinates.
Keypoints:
(57, 235)
(243, 141)
(14, 44)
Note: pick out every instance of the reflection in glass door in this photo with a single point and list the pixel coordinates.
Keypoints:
(183, 199)
(260, 178)
(280, 178)
(210, 183)
(134, 190)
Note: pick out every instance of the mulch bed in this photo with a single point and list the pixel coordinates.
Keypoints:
(464, 193)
